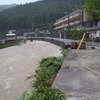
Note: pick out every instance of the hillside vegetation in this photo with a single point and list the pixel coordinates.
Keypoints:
(38, 14)
(3, 7)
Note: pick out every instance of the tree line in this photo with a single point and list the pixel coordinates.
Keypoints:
(41, 14)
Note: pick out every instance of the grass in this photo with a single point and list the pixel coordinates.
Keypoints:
(9, 44)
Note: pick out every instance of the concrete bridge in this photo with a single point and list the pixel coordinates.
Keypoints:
(65, 42)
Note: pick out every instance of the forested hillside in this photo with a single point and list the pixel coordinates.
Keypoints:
(3, 7)
(38, 14)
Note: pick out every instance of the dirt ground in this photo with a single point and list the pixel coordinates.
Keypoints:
(18, 63)
(79, 77)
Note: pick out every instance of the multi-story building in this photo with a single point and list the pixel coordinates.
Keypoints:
(76, 20)
(71, 21)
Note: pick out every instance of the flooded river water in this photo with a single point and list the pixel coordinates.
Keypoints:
(19, 62)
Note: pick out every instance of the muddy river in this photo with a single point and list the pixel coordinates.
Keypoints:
(17, 63)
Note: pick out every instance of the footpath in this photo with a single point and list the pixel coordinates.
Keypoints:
(79, 76)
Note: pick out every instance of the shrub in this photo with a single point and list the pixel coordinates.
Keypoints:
(44, 78)
(92, 47)
(64, 53)
(10, 44)
(48, 94)
(74, 34)
(97, 39)
(45, 75)
(88, 39)
(51, 61)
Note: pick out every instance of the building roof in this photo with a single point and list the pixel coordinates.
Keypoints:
(92, 29)
(10, 34)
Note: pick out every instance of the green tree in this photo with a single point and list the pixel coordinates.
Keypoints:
(93, 9)
(42, 14)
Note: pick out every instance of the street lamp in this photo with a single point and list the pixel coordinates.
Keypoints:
(67, 13)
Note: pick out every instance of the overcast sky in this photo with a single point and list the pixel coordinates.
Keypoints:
(2, 2)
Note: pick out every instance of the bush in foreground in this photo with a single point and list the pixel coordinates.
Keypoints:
(48, 94)
(45, 75)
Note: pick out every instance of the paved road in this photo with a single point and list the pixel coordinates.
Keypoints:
(81, 81)
(68, 41)
(18, 62)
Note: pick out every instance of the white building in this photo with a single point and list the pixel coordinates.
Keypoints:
(11, 35)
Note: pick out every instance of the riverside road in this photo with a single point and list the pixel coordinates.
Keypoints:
(69, 41)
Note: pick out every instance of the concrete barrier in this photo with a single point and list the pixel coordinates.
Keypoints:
(52, 40)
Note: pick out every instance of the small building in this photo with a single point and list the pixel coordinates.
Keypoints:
(29, 35)
(94, 31)
(11, 36)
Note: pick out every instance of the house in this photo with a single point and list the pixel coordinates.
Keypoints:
(11, 36)
(93, 31)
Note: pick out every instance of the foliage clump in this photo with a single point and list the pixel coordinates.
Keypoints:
(93, 9)
(45, 75)
(48, 94)
(74, 34)
(8, 44)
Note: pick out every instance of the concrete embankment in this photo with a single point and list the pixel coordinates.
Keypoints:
(60, 42)
(79, 76)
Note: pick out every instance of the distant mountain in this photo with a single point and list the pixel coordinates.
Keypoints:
(3, 7)
(41, 14)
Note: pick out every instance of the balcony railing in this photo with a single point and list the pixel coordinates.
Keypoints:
(74, 16)
(66, 19)
(92, 28)
(66, 25)
(76, 22)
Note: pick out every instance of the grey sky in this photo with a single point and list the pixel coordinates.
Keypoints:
(2, 2)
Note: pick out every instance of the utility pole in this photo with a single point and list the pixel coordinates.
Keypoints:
(68, 21)
(32, 26)
(67, 13)
(68, 24)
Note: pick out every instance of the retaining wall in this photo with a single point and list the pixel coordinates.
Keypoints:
(54, 41)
